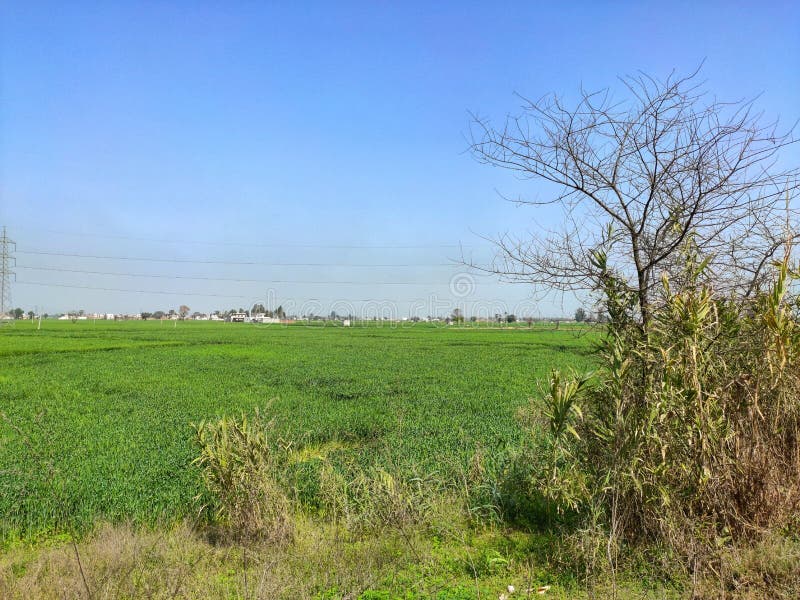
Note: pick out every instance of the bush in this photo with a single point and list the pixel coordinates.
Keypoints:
(688, 436)
(240, 460)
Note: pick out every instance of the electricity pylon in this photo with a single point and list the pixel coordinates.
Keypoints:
(7, 263)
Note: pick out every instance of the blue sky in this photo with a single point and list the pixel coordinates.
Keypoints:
(313, 140)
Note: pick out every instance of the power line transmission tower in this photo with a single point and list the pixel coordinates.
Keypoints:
(7, 262)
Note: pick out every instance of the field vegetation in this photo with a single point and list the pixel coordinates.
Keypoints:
(142, 459)
(96, 417)
(395, 440)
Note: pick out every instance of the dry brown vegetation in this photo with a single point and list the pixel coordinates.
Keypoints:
(688, 437)
(121, 562)
(321, 562)
(125, 562)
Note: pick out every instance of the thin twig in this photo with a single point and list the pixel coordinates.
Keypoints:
(80, 568)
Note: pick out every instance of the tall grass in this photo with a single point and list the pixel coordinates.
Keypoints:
(688, 437)
(240, 460)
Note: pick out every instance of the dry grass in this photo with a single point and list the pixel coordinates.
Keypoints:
(121, 562)
(322, 561)
(767, 569)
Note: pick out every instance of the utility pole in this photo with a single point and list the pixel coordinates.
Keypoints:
(7, 263)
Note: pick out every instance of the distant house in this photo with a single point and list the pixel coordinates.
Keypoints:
(263, 318)
(238, 317)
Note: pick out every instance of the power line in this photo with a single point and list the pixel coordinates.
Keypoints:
(130, 291)
(227, 279)
(230, 262)
(7, 247)
(105, 289)
(246, 244)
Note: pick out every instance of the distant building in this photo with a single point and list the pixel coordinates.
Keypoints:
(263, 318)
(238, 317)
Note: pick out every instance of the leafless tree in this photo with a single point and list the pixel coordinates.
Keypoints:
(637, 178)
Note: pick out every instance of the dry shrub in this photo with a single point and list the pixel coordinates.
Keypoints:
(689, 434)
(240, 460)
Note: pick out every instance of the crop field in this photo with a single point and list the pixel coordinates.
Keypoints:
(96, 416)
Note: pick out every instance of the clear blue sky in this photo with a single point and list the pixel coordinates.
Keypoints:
(277, 134)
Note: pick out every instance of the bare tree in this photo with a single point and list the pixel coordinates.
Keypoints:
(637, 179)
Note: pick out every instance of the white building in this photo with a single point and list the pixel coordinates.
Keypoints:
(263, 318)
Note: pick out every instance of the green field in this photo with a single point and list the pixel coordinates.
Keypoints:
(96, 415)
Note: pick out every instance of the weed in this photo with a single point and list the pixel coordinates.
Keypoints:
(239, 459)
